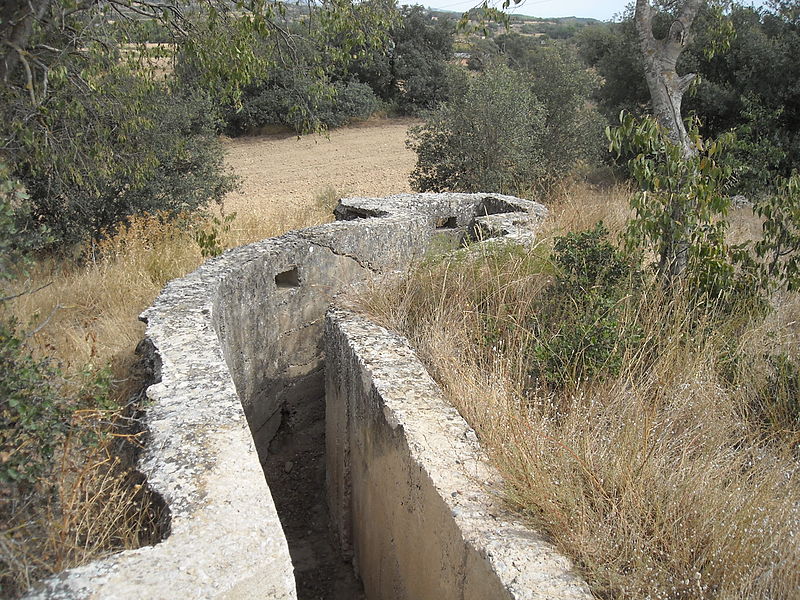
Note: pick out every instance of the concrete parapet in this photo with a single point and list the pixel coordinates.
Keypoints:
(409, 486)
(240, 343)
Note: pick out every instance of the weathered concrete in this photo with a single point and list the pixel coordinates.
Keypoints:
(408, 483)
(241, 344)
(200, 457)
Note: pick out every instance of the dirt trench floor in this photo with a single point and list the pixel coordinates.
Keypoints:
(295, 470)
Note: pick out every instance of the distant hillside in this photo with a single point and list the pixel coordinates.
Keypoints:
(555, 28)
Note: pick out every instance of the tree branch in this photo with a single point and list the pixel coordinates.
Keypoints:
(19, 33)
(24, 292)
(685, 81)
(689, 12)
(643, 17)
(28, 72)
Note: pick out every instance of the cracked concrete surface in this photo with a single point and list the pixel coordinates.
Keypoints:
(241, 344)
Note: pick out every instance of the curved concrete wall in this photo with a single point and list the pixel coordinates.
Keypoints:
(240, 344)
(410, 488)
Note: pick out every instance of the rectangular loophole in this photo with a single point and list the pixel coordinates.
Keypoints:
(447, 223)
(288, 279)
(494, 206)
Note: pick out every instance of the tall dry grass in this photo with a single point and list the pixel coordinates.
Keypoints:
(85, 317)
(661, 481)
(91, 305)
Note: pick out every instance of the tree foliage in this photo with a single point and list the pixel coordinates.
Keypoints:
(479, 130)
(573, 129)
(487, 138)
(680, 198)
(779, 246)
(160, 154)
(294, 100)
(686, 196)
(412, 72)
(95, 131)
(749, 87)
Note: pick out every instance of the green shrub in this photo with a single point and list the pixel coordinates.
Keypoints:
(129, 147)
(297, 102)
(780, 243)
(351, 100)
(36, 404)
(15, 242)
(413, 72)
(573, 128)
(510, 130)
(580, 332)
(488, 139)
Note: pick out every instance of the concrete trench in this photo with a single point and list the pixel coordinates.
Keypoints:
(304, 452)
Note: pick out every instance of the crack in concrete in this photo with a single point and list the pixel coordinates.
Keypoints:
(361, 263)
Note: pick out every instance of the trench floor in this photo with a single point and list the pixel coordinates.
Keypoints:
(295, 470)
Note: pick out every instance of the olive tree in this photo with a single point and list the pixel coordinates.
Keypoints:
(487, 138)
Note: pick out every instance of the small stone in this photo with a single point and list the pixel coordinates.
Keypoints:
(287, 466)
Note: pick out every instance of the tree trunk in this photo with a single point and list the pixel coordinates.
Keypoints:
(17, 19)
(666, 93)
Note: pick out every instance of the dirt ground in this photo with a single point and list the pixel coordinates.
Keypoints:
(281, 172)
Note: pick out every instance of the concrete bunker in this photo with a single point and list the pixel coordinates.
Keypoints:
(254, 375)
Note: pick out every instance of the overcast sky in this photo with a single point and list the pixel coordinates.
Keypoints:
(597, 9)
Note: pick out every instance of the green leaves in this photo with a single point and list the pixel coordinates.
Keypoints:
(487, 139)
(780, 244)
(684, 201)
(107, 126)
(580, 331)
(208, 236)
(681, 207)
(36, 407)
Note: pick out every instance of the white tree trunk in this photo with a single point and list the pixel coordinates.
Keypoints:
(666, 93)
(660, 58)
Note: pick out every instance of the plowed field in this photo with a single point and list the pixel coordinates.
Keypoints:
(281, 172)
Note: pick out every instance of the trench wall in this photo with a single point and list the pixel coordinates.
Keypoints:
(239, 345)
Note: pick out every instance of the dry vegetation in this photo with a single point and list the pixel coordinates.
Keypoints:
(675, 477)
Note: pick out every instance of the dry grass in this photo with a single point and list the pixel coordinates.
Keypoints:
(94, 504)
(86, 316)
(662, 481)
(91, 307)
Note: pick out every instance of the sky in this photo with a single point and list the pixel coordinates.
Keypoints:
(597, 9)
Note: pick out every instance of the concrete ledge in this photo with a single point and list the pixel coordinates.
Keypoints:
(200, 457)
(240, 344)
(409, 485)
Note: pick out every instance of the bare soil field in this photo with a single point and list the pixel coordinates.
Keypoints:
(283, 173)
